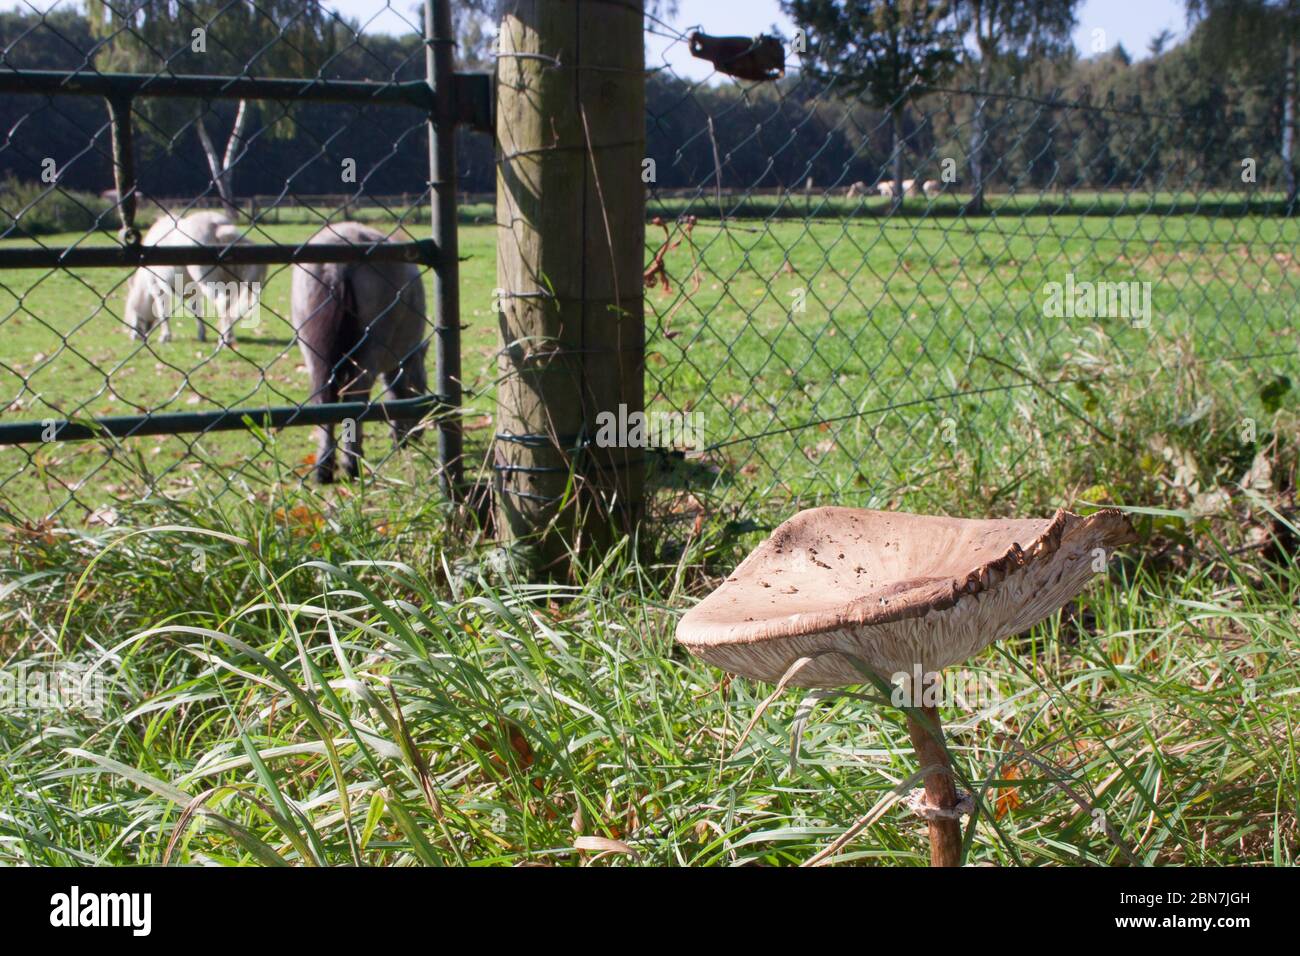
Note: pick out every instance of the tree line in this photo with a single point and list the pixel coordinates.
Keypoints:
(881, 89)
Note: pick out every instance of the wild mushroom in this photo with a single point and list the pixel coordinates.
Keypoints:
(834, 590)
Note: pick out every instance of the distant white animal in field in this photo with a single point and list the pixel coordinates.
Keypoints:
(857, 189)
(932, 187)
(886, 189)
(231, 290)
(912, 187)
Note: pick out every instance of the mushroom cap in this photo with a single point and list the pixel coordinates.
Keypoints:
(894, 591)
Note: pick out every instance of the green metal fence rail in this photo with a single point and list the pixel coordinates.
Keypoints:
(424, 251)
(227, 419)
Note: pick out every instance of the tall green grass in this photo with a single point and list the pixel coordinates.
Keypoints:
(357, 675)
(304, 687)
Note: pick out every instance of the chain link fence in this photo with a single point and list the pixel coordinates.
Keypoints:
(835, 340)
(1131, 268)
(118, 379)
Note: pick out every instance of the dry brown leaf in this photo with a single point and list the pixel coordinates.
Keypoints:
(595, 844)
(1008, 797)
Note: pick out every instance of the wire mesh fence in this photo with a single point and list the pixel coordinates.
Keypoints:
(842, 327)
(175, 350)
(847, 340)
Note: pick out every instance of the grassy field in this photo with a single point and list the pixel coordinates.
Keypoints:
(358, 677)
(68, 353)
(920, 341)
(316, 689)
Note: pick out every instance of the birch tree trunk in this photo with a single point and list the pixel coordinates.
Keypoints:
(1288, 123)
(222, 167)
(977, 142)
(898, 156)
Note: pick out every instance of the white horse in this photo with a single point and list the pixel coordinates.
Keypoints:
(232, 291)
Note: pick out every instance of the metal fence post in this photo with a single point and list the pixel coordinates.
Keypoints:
(439, 66)
(571, 136)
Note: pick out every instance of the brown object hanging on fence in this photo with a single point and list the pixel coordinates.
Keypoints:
(747, 58)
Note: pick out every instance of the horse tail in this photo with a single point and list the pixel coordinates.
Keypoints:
(348, 334)
(330, 331)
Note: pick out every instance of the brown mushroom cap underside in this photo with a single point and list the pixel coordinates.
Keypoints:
(892, 591)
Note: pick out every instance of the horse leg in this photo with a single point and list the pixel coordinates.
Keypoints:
(325, 454)
(161, 303)
(195, 284)
(229, 296)
(358, 390)
(228, 313)
(408, 381)
(324, 394)
(198, 321)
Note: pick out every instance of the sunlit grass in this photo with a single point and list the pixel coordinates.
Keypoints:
(357, 676)
(301, 688)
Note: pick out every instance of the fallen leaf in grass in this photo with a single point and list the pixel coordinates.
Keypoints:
(523, 751)
(595, 844)
(820, 449)
(38, 532)
(1008, 797)
(103, 516)
(300, 519)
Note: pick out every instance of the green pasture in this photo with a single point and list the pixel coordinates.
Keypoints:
(847, 357)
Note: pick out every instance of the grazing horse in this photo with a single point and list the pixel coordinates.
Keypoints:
(231, 290)
(355, 322)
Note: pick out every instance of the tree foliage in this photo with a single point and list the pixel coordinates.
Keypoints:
(886, 50)
(1177, 120)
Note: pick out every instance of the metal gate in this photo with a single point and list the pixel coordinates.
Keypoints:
(448, 99)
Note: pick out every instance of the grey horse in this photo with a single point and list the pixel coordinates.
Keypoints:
(356, 322)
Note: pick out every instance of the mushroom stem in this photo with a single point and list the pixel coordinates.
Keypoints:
(940, 788)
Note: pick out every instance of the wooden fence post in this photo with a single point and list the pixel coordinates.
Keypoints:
(570, 255)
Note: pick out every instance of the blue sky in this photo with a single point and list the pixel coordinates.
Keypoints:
(1130, 22)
